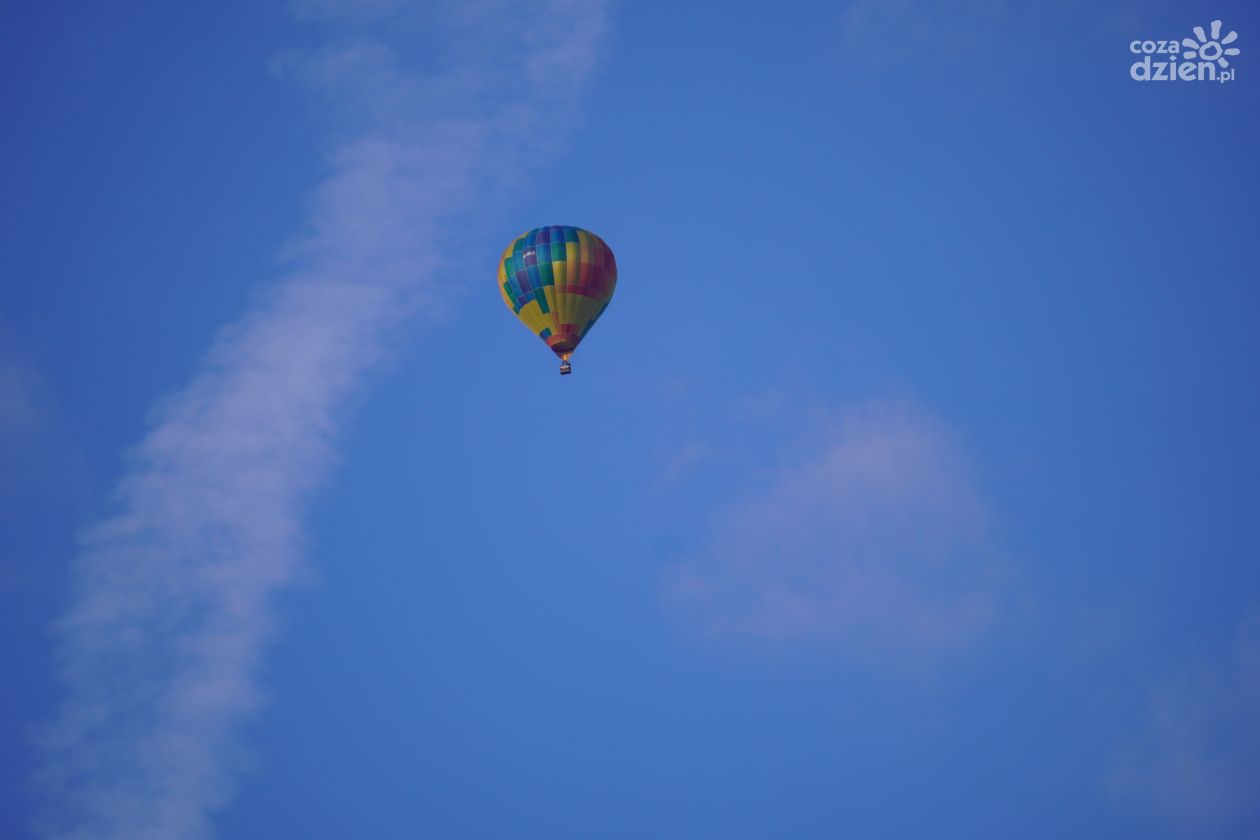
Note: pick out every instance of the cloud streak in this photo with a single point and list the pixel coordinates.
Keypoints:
(874, 542)
(171, 608)
(1194, 763)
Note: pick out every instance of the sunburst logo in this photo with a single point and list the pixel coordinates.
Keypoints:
(1203, 58)
(1210, 49)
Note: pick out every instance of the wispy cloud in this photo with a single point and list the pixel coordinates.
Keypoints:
(1194, 766)
(872, 541)
(171, 609)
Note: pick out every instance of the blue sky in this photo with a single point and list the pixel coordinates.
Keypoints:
(906, 489)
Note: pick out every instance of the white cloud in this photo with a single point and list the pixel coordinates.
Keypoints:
(172, 596)
(873, 542)
(1194, 766)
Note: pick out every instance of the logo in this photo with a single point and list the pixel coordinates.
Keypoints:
(1203, 59)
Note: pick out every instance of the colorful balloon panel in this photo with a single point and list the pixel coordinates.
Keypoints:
(558, 280)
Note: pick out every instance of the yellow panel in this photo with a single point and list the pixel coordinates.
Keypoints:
(568, 306)
(584, 246)
(532, 316)
(550, 318)
(503, 278)
(559, 271)
(586, 309)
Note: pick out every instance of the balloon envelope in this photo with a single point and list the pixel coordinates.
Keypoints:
(558, 280)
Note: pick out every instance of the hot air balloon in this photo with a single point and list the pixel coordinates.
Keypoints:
(558, 280)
